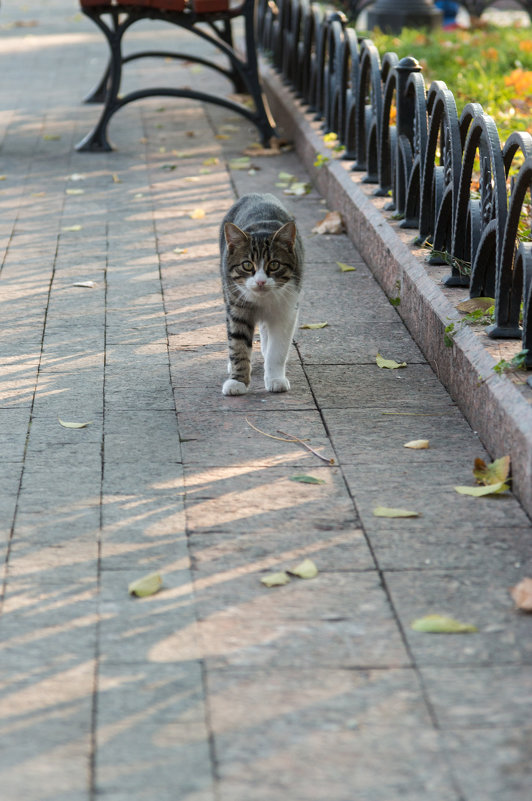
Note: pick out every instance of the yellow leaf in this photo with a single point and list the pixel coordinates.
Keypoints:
(72, 425)
(75, 191)
(116, 178)
(479, 492)
(211, 161)
(305, 569)
(492, 473)
(197, 214)
(51, 137)
(475, 304)
(440, 624)
(417, 444)
(389, 364)
(85, 284)
(298, 188)
(522, 594)
(332, 223)
(345, 268)
(180, 251)
(314, 326)
(275, 579)
(221, 136)
(385, 511)
(72, 228)
(241, 163)
(147, 585)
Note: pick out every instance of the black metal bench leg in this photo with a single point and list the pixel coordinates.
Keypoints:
(97, 140)
(99, 92)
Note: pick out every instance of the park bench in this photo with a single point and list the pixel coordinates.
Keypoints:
(209, 19)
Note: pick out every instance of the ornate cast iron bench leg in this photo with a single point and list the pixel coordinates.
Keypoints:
(209, 19)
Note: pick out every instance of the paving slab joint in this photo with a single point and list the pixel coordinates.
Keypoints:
(493, 405)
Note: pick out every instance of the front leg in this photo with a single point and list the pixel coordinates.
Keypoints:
(240, 339)
(280, 334)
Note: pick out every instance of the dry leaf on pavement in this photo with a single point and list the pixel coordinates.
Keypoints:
(332, 223)
(493, 473)
(305, 569)
(345, 268)
(522, 594)
(66, 424)
(441, 624)
(304, 479)
(147, 585)
(314, 326)
(417, 444)
(388, 364)
(389, 511)
(275, 579)
(480, 492)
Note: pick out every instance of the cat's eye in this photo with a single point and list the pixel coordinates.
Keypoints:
(273, 266)
(247, 266)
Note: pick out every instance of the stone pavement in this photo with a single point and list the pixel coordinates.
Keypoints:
(216, 688)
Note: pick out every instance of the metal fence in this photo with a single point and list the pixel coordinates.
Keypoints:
(448, 174)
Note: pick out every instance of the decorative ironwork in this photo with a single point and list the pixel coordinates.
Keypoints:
(448, 175)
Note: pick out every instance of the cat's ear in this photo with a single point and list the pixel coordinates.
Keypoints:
(286, 235)
(234, 236)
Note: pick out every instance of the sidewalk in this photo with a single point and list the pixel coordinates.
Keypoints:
(216, 688)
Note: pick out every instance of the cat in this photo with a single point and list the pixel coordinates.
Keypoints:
(261, 266)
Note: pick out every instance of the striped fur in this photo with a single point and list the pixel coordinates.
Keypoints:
(261, 268)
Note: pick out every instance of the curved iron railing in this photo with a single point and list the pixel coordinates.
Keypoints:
(425, 157)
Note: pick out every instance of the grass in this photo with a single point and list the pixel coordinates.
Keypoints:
(490, 65)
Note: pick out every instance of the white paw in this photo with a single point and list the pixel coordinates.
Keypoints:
(277, 384)
(232, 387)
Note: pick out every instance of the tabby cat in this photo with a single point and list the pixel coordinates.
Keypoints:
(261, 266)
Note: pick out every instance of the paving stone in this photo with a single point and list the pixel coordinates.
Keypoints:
(217, 687)
(480, 599)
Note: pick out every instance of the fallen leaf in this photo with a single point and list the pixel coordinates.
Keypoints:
(76, 176)
(479, 492)
(305, 569)
(147, 585)
(286, 176)
(332, 223)
(440, 624)
(75, 191)
(275, 579)
(475, 304)
(228, 128)
(3, 177)
(116, 178)
(492, 473)
(304, 479)
(522, 594)
(169, 167)
(51, 137)
(180, 251)
(211, 161)
(221, 136)
(86, 284)
(387, 511)
(191, 179)
(330, 139)
(197, 214)
(72, 425)
(345, 268)
(242, 163)
(72, 228)
(417, 444)
(388, 364)
(298, 188)
(314, 326)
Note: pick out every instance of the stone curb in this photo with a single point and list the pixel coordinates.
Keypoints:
(493, 405)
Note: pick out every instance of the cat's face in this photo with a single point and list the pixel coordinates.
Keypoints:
(259, 267)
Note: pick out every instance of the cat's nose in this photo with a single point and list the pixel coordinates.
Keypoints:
(260, 282)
